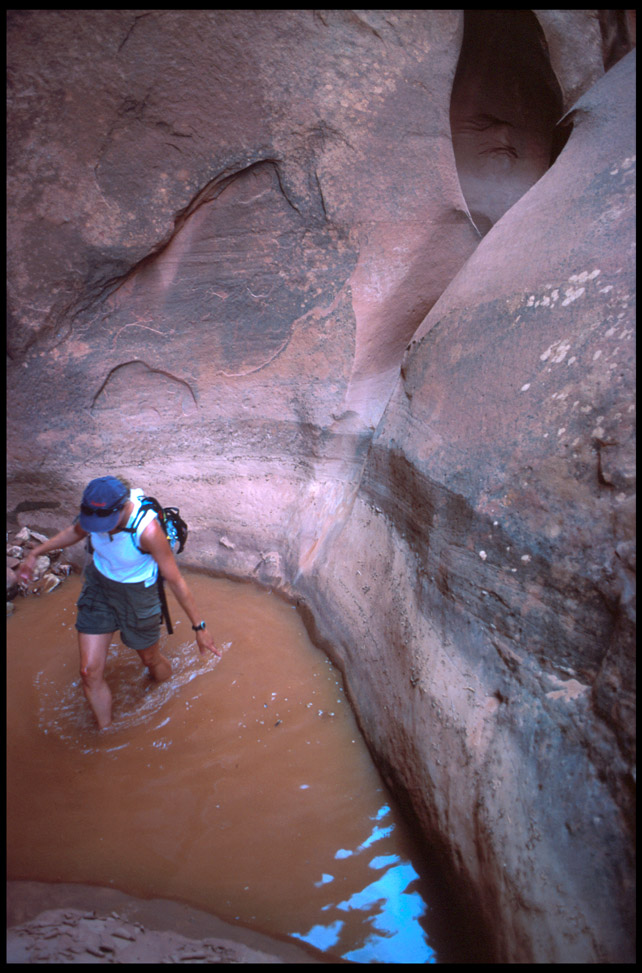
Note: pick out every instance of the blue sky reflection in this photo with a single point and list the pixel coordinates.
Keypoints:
(323, 937)
(392, 931)
(377, 835)
(400, 938)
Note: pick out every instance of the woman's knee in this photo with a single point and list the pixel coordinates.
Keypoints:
(91, 672)
(93, 655)
(150, 656)
(159, 667)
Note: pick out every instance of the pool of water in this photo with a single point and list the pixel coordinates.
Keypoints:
(241, 786)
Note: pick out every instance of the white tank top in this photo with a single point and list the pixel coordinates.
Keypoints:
(117, 556)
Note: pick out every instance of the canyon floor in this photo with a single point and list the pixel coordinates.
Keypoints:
(65, 923)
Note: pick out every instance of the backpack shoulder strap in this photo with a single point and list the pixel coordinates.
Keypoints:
(146, 504)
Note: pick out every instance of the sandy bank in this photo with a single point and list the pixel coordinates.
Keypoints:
(69, 923)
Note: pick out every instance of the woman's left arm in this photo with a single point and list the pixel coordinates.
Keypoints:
(153, 541)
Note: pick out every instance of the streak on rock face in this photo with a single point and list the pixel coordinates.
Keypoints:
(241, 269)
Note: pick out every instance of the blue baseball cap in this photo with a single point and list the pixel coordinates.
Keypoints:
(101, 504)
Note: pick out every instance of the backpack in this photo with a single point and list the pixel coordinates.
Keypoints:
(170, 520)
(176, 533)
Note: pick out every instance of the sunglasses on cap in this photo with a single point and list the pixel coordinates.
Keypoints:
(99, 512)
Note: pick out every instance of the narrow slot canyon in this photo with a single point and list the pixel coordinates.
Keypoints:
(504, 108)
(355, 291)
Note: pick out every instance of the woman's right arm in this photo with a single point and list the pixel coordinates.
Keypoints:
(70, 535)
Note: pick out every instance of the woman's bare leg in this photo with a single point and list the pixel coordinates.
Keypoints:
(159, 667)
(93, 655)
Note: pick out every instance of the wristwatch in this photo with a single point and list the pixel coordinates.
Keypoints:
(199, 627)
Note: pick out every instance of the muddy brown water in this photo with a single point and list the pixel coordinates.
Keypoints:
(241, 786)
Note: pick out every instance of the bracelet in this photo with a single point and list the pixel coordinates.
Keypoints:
(199, 627)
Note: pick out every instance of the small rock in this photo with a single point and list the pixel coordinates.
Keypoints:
(14, 551)
(41, 566)
(48, 582)
(94, 951)
(226, 542)
(23, 535)
(41, 538)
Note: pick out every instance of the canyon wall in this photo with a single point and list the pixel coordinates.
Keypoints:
(365, 313)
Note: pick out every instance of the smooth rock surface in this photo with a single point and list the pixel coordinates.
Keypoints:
(246, 274)
(495, 523)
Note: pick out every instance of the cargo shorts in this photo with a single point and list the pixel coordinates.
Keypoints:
(107, 606)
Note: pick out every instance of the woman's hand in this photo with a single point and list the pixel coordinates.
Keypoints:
(26, 569)
(205, 643)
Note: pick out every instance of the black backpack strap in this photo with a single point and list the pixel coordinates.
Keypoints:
(151, 503)
(163, 601)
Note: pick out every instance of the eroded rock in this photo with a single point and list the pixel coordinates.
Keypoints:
(486, 525)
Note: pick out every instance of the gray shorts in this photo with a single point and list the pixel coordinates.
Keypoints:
(107, 606)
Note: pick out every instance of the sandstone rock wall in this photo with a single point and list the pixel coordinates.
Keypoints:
(246, 272)
(487, 567)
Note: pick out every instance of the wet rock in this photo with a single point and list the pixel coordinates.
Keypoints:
(41, 566)
(49, 570)
(47, 583)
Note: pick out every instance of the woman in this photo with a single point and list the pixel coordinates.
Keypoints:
(120, 590)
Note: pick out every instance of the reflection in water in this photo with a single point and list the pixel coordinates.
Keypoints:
(390, 910)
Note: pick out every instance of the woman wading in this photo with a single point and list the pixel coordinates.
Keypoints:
(120, 590)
